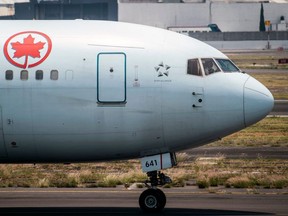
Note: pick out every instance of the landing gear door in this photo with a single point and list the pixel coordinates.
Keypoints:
(3, 152)
(111, 78)
(158, 162)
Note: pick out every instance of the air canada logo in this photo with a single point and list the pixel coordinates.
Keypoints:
(27, 49)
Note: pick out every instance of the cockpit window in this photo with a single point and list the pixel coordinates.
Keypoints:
(193, 67)
(209, 66)
(227, 66)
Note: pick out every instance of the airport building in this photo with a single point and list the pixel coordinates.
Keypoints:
(217, 22)
(59, 9)
(229, 15)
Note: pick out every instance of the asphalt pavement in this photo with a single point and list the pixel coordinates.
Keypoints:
(120, 201)
(280, 108)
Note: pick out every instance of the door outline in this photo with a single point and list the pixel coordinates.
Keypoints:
(124, 79)
(3, 150)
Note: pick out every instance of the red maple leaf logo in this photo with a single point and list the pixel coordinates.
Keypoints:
(27, 48)
(14, 50)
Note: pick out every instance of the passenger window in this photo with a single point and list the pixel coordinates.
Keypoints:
(9, 75)
(227, 66)
(209, 66)
(54, 75)
(193, 67)
(39, 75)
(69, 75)
(24, 75)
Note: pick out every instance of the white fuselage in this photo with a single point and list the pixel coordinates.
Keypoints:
(122, 91)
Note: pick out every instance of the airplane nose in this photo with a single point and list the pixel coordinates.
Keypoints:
(258, 101)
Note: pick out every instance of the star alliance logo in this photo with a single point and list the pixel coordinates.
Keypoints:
(162, 70)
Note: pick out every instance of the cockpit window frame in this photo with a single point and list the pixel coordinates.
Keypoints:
(215, 66)
(213, 70)
(190, 70)
(217, 60)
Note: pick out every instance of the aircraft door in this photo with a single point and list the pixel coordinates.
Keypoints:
(111, 78)
(3, 152)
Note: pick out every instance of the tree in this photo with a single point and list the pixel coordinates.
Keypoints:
(262, 22)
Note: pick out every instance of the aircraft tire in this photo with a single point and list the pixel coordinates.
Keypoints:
(152, 200)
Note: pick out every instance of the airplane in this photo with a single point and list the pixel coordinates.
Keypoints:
(89, 91)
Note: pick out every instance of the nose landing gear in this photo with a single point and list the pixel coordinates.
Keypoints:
(153, 199)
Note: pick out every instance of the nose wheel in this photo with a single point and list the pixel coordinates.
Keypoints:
(153, 199)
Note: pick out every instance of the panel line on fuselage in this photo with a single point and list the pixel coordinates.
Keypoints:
(113, 46)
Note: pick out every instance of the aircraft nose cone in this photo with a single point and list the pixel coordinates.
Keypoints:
(258, 101)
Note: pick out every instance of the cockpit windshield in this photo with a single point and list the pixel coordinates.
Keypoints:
(207, 66)
(227, 66)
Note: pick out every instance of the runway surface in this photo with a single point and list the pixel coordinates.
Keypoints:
(280, 107)
(120, 201)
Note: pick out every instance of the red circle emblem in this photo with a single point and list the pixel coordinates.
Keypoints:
(27, 49)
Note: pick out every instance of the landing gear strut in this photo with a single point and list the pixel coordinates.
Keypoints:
(153, 199)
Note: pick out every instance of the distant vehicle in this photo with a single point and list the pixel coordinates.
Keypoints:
(187, 29)
(214, 27)
(88, 91)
